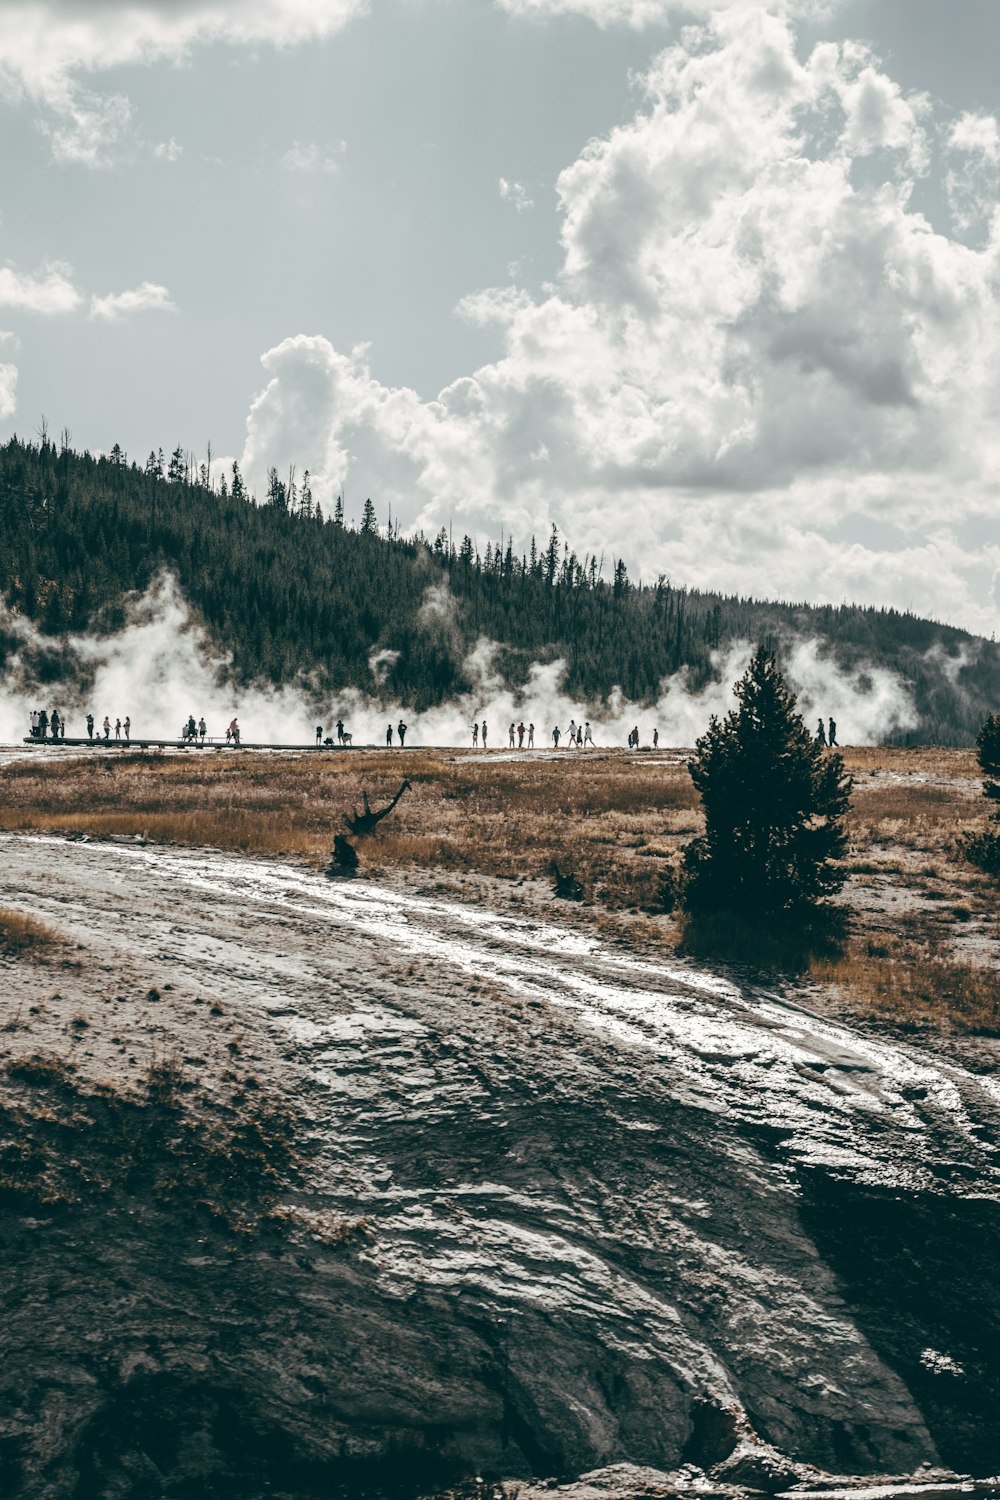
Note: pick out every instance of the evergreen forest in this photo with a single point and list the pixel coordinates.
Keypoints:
(287, 590)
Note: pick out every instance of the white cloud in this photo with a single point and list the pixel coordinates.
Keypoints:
(642, 13)
(976, 134)
(760, 368)
(149, 297)
(517, 194)
(308, 156)
(972, 181)
(8, 391)
(46, 46)
(168, 150)
(48, 290)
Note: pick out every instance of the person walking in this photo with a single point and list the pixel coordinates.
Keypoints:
(484, 734)
(388, 736)
(571, 732)
(233, 732)
(475, 735)
(555, 738)
(90, 726)
(588, 738)
(831, 734)
(401, 731)
(821, 733)
(531, 736)
(106, 726)
(127, 726)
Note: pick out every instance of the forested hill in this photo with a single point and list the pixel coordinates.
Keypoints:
(287, 591)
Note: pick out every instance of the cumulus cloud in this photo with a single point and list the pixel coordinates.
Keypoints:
(47, 290)
(761, 367)
(974, 174)
(517, 194)
(145, 298)
(642, 13)
(308, 156)
(47, 46)
(8, 391)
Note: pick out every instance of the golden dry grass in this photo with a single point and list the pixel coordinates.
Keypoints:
(21, 934)
(618, 823)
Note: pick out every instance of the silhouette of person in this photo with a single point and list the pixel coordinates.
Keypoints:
(484, 734)
(475, 734)
(340, 731)
(202, 728)
(531, 736)
(90, 726)
(401, 731)
(127, 726)
(512, 734)
(831, 737)
(388, 735)
(319, 734)
(555, 737)
(821, 733)
(656, 738)
(106, 726)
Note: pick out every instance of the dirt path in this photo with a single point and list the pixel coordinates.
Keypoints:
(618, 1208)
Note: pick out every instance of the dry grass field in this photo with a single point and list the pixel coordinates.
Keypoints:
(921, 945)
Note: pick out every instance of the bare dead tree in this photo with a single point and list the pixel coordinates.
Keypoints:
(363, 823)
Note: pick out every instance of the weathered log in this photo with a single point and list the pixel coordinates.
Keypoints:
(363, 823)
(343, 856)
(567, 886)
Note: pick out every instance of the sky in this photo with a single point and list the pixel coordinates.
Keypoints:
(714, 287)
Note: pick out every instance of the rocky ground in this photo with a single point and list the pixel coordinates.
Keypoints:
(556, 1204)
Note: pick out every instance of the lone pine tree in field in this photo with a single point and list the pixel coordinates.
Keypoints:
(774, 803)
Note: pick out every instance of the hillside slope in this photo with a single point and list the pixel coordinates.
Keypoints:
(288, 592)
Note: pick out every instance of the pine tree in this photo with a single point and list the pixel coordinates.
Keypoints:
(239, 489)
(774, 804)
(369, 520)
(175, 469)
(306, 504)
(277, 495)
(552, 558)
(338, 513)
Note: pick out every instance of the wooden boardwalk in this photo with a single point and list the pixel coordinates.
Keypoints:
(145, 742)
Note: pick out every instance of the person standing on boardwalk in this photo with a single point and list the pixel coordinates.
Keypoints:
(106, 726)
(511, 734)
(319, 734)
(118, 729)
(531, 736)
(656, 738)
(401, 731)
(831, 737)
(520, 735)
(127, 726)
(475, 735)
(202, 729)
(34, 723)
(340, 731)
(555, 738)
(90, 726)
(43, 724)
(484, 734)
(234, 732)
(388, 736)
(55, 723)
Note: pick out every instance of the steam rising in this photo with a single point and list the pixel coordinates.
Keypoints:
(161, 668)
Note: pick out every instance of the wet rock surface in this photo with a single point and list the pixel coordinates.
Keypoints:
(616, 1210)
